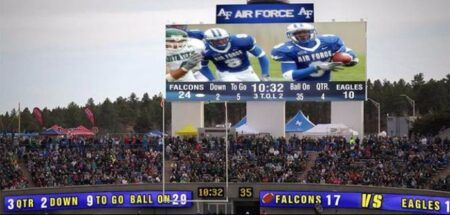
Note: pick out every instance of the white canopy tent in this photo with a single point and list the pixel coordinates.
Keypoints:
(245, 129)
(330, 130)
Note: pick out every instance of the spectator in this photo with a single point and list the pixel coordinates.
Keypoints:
(11, 175)
(377, 161)
(97, 162)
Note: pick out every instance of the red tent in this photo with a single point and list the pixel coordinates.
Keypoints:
(57, 127)
(80, 131)
(55, 130)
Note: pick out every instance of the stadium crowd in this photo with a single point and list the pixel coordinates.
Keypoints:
(441, 184)
(267, 160)
(392, 162)
(251, 160)
(11, 175)
(378, 161)
(79, 161)
(194, 161)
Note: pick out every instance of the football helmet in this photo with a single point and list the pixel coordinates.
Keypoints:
(176, 26)
(301, 33)
(175, 39)
(217, 38)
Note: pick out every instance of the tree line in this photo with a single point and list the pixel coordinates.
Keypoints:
(134, 114)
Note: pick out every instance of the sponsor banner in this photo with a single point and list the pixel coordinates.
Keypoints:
(90, 115)
(37, 113)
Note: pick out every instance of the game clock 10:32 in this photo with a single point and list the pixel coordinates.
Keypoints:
(211, 192)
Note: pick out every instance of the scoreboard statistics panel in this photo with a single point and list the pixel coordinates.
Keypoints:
(280, 69)
(266, 91)
(117, 199)
(380, 201)
(267, 199)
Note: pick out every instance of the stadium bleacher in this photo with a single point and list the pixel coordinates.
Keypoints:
(11, 175)
(371, 161)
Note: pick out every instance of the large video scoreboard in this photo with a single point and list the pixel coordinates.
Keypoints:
(281, 70)
(256, 53)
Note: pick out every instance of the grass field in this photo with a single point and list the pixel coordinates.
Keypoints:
(355, 73)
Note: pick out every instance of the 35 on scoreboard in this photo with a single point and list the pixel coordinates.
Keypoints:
(265, 62)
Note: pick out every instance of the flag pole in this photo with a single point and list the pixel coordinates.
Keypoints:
(226, 148)
(19, 120)
(163, 105)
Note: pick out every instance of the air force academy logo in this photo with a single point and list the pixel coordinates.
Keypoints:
(265, 13)
(224, 13)
(306, 13)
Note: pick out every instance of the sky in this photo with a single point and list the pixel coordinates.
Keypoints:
(53, 52)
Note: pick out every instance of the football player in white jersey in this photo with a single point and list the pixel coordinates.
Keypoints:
(183, 56)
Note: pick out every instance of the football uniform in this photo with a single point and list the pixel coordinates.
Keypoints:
(175, 58)
(198, 34)
(321, 49)
(232, 62)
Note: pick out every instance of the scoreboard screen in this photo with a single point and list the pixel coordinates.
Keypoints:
(389, 202)
(259, 62)
(128, 199)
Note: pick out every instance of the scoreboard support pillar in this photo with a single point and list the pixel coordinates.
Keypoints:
(184, 113)
(350, 113)
(267, 116)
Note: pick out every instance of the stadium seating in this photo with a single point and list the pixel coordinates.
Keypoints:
(390, 162)
(11, 175)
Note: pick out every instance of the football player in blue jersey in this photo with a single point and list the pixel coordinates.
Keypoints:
(307, 55)
(229, 54)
